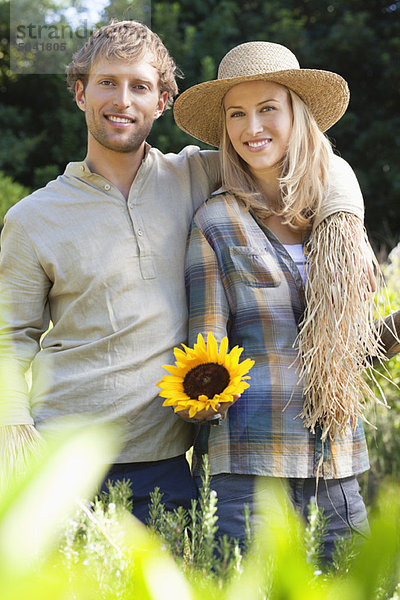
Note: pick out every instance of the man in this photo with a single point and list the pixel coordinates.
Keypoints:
(99, 253)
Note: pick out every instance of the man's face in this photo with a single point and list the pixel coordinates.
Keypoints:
(121, 101)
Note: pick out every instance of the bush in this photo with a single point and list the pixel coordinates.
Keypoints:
(10, 193)
(384, 439)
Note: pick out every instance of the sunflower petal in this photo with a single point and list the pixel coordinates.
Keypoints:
(222, 351)
(226, 396)
(235, 354)
(176, 385)
(200, 344)
(212, 348)
(180, 354)
(176, 370)
(245, 366)
(192, 411)
(174, 402)
(181, 406)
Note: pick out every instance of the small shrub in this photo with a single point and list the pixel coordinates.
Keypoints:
(383, 437)
(10, 193)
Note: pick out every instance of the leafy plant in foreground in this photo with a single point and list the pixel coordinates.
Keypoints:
(54, 546)
(191, 536)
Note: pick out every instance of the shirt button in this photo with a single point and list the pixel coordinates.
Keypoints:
(107, 187)
(140, 232)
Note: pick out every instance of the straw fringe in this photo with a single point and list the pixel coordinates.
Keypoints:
(18, 443)
(338, 337)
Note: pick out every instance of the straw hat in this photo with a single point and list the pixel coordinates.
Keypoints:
(198, 110)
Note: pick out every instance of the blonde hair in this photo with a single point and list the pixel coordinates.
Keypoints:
(304, 171)
(128, 41)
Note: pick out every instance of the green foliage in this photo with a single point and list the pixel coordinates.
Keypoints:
(313, 538)
(384, 439)
(10, 193)
(34, 506)
(203, 527)
(358, 39)
(137, 10)
(93, 542)
(16, 147)
(43, 175)
(343, 556)
(283, 560)
(191, 536)
(55, 546)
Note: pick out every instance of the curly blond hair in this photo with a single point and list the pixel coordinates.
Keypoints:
(128, 41)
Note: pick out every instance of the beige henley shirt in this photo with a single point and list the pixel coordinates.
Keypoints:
(109, 275)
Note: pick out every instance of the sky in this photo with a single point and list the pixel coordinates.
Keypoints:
(93, 9)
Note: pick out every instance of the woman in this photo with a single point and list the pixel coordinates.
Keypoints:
(288, 278)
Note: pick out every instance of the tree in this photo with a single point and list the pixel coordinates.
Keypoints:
(360, 39)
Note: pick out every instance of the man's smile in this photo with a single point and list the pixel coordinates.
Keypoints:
(124, 119)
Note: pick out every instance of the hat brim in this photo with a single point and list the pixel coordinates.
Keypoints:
(197, 111)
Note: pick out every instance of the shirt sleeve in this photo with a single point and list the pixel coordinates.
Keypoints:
(205, 173)
(343, 193)
(24, 318)
(212, 166)
(207, 302)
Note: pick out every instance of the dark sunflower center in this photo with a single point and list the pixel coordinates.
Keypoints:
(207, 379)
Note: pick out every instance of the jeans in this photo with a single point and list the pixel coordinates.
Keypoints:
(172, 476)
(339, 499)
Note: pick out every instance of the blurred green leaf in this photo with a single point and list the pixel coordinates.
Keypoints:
(33, 508)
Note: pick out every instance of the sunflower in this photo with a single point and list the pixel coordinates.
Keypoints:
(204, 376)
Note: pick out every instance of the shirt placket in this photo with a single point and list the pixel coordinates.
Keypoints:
(134, 204)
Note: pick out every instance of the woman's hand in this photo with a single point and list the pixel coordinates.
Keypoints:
(203, 416)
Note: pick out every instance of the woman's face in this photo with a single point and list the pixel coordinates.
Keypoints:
(259, 123)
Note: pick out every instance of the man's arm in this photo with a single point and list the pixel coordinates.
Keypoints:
(343, 193)
(390, 334)
(205, 174)
(24, 318)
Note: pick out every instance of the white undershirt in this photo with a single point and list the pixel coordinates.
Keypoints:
(296, 253)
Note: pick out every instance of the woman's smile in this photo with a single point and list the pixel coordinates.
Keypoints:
(258, 144)
(259, 124)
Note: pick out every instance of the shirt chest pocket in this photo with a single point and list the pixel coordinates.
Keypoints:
(253, 267)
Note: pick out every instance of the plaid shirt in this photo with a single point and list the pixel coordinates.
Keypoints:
(241, 282)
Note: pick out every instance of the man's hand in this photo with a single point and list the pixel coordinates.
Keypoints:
(390, 334)
(17, 444)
